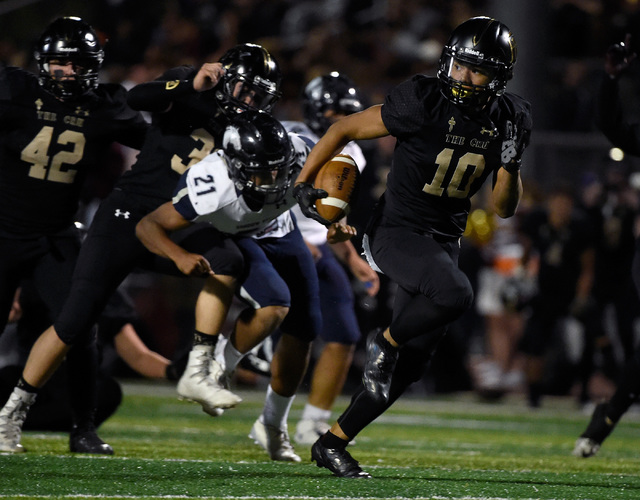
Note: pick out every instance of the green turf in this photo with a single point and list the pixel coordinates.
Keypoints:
(453, 447)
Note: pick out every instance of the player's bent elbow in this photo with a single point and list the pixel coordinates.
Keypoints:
(506, 210)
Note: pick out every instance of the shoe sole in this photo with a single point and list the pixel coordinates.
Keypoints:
(222, 406)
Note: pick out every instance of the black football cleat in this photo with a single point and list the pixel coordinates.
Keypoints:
(337, 460)
(597, 431)
(378, 369)
(86, 440)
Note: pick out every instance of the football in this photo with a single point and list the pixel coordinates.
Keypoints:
(338, 177)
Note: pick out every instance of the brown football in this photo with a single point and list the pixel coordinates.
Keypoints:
(338, 177)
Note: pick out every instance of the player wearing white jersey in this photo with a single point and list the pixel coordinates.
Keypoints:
(326, 99)
(244, 191)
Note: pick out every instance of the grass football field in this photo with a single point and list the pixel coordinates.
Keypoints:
(452, 447)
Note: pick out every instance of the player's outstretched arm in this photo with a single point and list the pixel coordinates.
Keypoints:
(158, 96)
(153, 231)
(366, 124)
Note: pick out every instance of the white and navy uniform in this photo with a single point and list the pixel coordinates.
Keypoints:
(279, 267)
(339, 321)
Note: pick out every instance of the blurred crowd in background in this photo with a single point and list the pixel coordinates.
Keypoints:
(380, 43)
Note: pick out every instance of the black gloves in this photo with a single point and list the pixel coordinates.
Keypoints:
(307, 195)
(618, 57)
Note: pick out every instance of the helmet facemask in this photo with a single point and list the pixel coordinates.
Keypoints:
(262, 185)
(466, 94)
(68, 87)
(238, 94)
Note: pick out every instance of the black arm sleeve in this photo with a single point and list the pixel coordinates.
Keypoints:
(610, 118)
(158, 95)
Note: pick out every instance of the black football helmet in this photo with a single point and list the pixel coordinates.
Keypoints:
(335, 92)
(69, 39)
(251, 74)
(482, 42)
(259, 157)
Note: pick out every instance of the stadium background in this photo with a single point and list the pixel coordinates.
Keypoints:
(379, 43)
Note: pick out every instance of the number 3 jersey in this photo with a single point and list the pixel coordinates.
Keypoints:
(206, 193)
(47, 147)
(442, 156)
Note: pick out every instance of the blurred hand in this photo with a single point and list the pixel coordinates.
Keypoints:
(339, 231)
(208, 76)
(193, 264)
(618, 57)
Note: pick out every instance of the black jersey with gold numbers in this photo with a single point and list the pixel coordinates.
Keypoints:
(442, 155)
(47, 148)
(177, 139)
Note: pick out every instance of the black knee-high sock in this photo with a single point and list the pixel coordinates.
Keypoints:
(628, 389)
(82, 363)
(364, 408)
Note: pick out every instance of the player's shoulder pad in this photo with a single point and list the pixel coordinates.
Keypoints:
(209, 186)
(300, 142)
(296, 127)
(515, 106)
(113, 97)
(302, 146)
(15, 81)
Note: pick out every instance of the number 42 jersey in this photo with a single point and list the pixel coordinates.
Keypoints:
(47, 148)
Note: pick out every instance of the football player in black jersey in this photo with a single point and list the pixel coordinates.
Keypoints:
(452, 133)
(54, 128)
(626, 135)
(190, 109)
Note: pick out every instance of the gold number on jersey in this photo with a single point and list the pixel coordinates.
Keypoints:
(469, 160)
(197, 154)
(43, 167)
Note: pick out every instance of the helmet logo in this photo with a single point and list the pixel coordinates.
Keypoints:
(277, 161)
(232, 138)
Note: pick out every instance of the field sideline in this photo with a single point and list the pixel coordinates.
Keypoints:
(452, 447)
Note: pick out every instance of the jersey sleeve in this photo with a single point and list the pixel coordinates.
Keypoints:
(302, 146)
(156, 96)
(130, 126)
(204, 189)
(403, 109)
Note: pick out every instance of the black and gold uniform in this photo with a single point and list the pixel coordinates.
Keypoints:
(53, 132)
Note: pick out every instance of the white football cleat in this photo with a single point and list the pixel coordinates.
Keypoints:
(197, 383)
(308, 431)
(12, 417)
(585, 447)
(275, 441)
